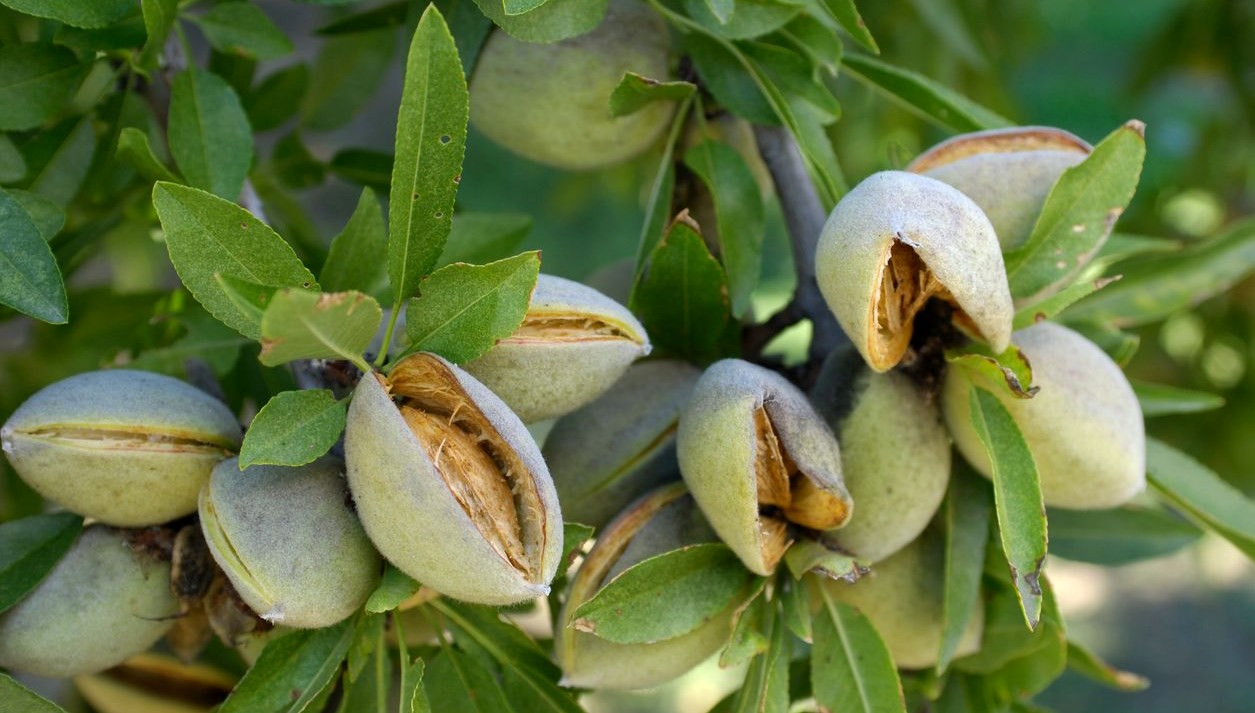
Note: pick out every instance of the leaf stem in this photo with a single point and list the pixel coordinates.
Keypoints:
(387, 335)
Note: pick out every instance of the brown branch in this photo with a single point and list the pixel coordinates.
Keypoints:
(804, 216)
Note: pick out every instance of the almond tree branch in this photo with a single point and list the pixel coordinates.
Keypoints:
(804, 216)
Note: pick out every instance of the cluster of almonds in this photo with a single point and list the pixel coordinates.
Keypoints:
(442, 478)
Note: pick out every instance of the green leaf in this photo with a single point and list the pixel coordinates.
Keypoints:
(345, 76)
(12, 163)
(749, 18)
(20, 699)
(413, 697)
(294, 428)
(851, 669)
(1119, 345)
(59, 177)
(36, 83)
(30, 280)
(395, 587)
(635, 91)
(966, 515)
(206, 340)
(47, 215)
(520, 7)
(124, 34)
(721, 9)
(574, 535)
(658, 202)
(747, 639)
(724, 75)
(30, 548)
(368, 676)
(738, 213)
(484, 237)
(1117, 536)
(1079, 213)
(682, 297)
(1156, 288)
(159, 16)
(1017, 498)
(301, 324)
(430, 142)
(526, 665)
(766, 687)
(277, 98)
(458, 683)
(847, 15)
(364, 167)
(463, 310)
(795, 77)
(292, 670)
(1010, 369)
(1201, 494)
(665, 596)
(207, 236)
(795, 608)
(1087, 663)
(249, 298)
(356, 258)
(1051, 306)
(931, 100)
(1122, 246)
(1161, 400)
(819, 41)
(238, 27)
(210, 138)
(553, 21)
(76, 13)
(135, 151)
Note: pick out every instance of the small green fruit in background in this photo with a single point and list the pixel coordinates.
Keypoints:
(1007, 172)
(128, 448)
(895, 454)
(1084, 427)
(573, 344)
(277, 532)
(104, 602)
(895, 241)
(903, 598)
(551, 103)
(664, 520)
(449, 484)
(757, 457)
(622, 445)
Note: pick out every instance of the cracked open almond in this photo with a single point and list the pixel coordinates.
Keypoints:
(1007, 172)
(276, 532)
(898, 240)
(759, 461)
(128, 448)
(573, 344)
(449, 484)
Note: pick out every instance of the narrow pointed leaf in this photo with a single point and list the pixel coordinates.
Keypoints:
(851, 669)
(207, 236)
(1162, 400)
(924, 96)
(30, 280)
(135, 151)
(480, 238)
(636, 91)
(1053, 305)
(300, 324)
(463, 310)
(430, 142)
(30, 548)
(291, 671)
(739, 216)
(1087, 663)
(766, 687)
(394, 588)
(665, 596)
(966, 516)
(36, 83)
(1202, 495)
(356, 259)
(20, 699)
(294, 428)
(1119, 535)
(238, 27)
(1079, 213)
(1017, 498)
(847, 15)
(210, 138)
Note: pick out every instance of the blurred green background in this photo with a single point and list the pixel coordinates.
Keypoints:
(1185, 68)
